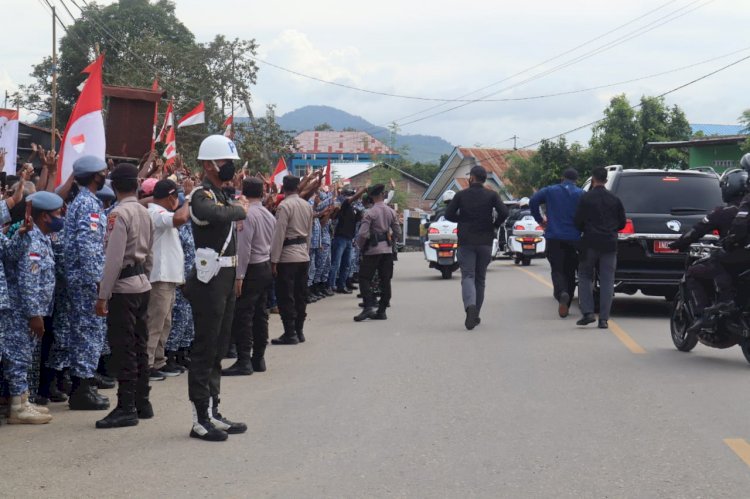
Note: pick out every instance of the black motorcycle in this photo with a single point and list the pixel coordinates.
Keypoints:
(727, 328)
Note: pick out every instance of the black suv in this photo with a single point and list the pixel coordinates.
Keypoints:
(659, 205)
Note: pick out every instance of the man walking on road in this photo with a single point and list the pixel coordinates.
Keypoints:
(561, 201)
(377, 235)
(600, 216)
(290, 260)
(210, 289)
(478, 212)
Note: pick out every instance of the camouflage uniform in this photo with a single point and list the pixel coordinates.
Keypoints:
(315, 248)
(4, 294)
(182, 332)
(84, 263)
(31, 280)
(359, 208)
(323, 258)
(59, 357)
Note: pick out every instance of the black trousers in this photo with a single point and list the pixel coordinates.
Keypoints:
(291, 294)
(563, 259)
(213, 310)
(383, 265)
(128, 336)
(250, 324)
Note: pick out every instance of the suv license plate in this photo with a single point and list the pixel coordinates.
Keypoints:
(663, 247)
(445, 254)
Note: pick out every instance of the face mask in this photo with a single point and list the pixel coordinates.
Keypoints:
(229, 191)
(100, 181)
(226, 171)
(56, 223)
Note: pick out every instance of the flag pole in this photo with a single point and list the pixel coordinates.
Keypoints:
(54, 82)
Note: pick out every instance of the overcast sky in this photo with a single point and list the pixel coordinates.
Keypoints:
(446, 49)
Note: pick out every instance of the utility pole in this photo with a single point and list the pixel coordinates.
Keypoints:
(514, 143)
(54, 81)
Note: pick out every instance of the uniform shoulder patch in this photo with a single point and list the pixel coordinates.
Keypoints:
(111, 219)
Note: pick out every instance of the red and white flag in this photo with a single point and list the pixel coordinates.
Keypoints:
(280, 172)
(327, 180)
(84, 134)
(9, 138)
(228, 126)
(168, 121)
(194, 117)
(171, 150)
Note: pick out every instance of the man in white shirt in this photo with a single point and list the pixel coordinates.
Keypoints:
(167, 273)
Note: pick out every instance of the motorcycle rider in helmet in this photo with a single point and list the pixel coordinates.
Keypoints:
(445, 199)
(699, 276)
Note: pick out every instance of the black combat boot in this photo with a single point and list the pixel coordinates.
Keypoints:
(203, 428)
(288, 338)
(367, 313)
(124, 414)
(46, 380)
(223, 423)
(257, 360)
(103, 382)
(172, 367)
(232, 352)
(83, 397)
(183, 357)
(380, 314)
(142, 403)
(299, 328)
(242, 367)
(56, 389)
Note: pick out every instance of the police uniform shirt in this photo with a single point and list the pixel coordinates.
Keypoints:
(294, 219)
(130, 233)
(380, 218)
(254, 240)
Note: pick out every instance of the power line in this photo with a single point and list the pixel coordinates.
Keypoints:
(652, 26)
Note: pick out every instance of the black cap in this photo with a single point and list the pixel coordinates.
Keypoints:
(290, 183)
(124, 171)
(376, 190)
(570, 174)
(164, 189)
(478, 173)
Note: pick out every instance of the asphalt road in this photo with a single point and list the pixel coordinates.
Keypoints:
(526, 405)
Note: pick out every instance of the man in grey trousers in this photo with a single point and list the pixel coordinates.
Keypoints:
(599, 216)
(479, 212)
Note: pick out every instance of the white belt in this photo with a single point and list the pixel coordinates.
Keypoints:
(228, 261)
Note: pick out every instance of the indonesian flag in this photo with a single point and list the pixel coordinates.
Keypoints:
(168, 121)
(228, 126)
(327, 180)
(84, 134)
(194, 117)
(9, 138)
(279, 173)
(171, 150)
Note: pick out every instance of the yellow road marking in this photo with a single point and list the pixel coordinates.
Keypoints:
(615, 328)
(740, 447)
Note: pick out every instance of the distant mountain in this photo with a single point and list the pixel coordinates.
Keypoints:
(423, 148)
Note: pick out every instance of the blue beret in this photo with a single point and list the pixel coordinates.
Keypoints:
(88, 164)
(45, 201)
(106, 193)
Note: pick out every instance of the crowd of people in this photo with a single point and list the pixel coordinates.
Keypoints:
(126, 275)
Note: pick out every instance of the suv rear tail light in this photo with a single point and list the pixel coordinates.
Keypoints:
(629, 228)
(670, 179)
(539, 228)
(433, 230)
(455, 231)
(518, 227)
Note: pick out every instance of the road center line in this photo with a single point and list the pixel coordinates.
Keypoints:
(614, 328)
(740, 447)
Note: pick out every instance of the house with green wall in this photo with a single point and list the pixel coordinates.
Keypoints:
(715, 146)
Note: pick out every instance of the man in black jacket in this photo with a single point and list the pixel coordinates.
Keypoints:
(478, 212)
(599, 216)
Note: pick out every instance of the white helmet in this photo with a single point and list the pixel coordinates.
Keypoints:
(448, 196)
(523, 202)
(216, 147)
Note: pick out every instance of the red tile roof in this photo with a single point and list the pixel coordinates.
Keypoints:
(340, 142)
(494, 160)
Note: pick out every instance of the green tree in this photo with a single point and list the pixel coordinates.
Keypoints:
(546, 166)
(423, 171)
(745, 120)
(323, 127)
(382, 174)
(616, 139)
